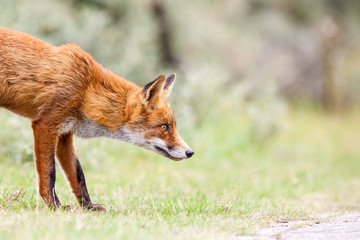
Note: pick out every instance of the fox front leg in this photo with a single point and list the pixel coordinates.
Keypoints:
(44, 147)
(65, 153)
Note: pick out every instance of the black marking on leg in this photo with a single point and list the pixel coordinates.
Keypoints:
(52, 177)
(52, 180)
(84, 195)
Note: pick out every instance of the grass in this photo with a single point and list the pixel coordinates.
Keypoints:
(235, 183)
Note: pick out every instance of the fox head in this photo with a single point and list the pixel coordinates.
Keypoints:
(119, 109)
(150, 121)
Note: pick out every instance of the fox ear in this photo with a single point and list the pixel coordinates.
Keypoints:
(169, 84)
(153, 89)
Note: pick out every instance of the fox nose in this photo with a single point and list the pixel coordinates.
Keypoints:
(189, 153)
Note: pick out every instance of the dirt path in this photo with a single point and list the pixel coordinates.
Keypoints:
(337, 228)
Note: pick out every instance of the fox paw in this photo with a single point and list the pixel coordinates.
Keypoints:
(66, 208)
(96, 207)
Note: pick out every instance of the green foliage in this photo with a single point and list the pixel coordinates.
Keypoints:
(14, 148)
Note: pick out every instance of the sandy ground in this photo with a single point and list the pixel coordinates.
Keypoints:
(323, 228)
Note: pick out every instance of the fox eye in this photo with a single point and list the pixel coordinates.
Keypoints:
(165, 127)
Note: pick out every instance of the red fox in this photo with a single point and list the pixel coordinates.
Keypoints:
(65, 92)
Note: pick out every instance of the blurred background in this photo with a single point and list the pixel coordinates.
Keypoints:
(243, 67)
(267, 94)
(294, 50)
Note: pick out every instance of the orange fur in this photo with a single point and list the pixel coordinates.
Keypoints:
(65, 92)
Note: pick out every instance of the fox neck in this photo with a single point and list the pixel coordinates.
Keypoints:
(106, 98)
